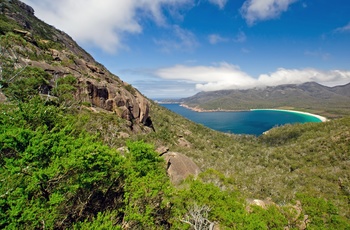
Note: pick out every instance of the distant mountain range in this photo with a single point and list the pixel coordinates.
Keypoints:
(309, 96)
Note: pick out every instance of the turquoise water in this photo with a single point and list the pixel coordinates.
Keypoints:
(246, 122)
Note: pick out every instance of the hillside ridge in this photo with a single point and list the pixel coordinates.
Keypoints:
(29, 42)
(306, 96)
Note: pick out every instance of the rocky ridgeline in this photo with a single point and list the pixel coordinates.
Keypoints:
(52, 50)
(59, 55)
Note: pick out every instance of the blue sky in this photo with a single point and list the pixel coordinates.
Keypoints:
(176, 48)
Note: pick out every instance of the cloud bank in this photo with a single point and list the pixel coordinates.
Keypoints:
(103, 24)
(260, 10)
(160, 89)
(227, 76)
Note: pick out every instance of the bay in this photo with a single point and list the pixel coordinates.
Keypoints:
(253, 122)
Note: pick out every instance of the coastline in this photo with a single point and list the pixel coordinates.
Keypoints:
(200, 110)
(321, 118)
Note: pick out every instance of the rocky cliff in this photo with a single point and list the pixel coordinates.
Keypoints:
(29, 42)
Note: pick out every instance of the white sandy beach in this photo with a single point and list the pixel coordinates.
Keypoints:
(323, 119)
(196, 109)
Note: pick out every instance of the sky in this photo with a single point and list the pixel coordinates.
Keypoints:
(177, 48)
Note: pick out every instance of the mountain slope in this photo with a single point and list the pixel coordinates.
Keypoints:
(29, 42)
(310, 95)
(342, 89)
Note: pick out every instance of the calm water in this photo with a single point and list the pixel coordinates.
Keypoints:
(246, 122)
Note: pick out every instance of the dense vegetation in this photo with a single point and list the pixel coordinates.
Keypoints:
(63, 166)
(311, 158)
(55, 173)
(50, 165)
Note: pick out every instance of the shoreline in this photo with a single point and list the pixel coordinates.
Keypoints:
(321, 118)
(200, 110)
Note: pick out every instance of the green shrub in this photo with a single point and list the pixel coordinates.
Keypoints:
(7, 25)
(65, 89)
(322, 214)
(26, 83)
(130, 89)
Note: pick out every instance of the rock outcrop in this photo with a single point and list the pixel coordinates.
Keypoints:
(179, 166)
(296, 219)
(59, 55)
(131, 106)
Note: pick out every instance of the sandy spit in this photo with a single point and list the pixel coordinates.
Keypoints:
(323, 119)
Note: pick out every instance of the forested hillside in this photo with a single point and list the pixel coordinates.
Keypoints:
(310, 96)
(78, 151)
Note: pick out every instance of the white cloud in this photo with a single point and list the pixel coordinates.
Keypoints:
(298, 76)
(240, 37)
(228, 76)
(245, 50)
(260, 10)
(157, 89)
(182, 39)
(343, 29)
(220, 3)
(216, 38)
(102, 23)
(208, 78)
(319, 54)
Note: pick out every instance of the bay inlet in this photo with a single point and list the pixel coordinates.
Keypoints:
(253, 122)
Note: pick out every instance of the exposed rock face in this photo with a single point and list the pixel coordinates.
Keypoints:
(261, 203)
(162, 149)
(96, 84)
(179, 166)
(132, 107)
(297, 219)
(183, 142)
(27, 8)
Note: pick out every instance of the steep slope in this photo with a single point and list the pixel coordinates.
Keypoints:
(28, 42)
(310, 95)
(342, 89)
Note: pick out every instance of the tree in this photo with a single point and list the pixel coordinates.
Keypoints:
(197, 218)
(64, 90)
(26, 83)
(147, 188)
(70, 175)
